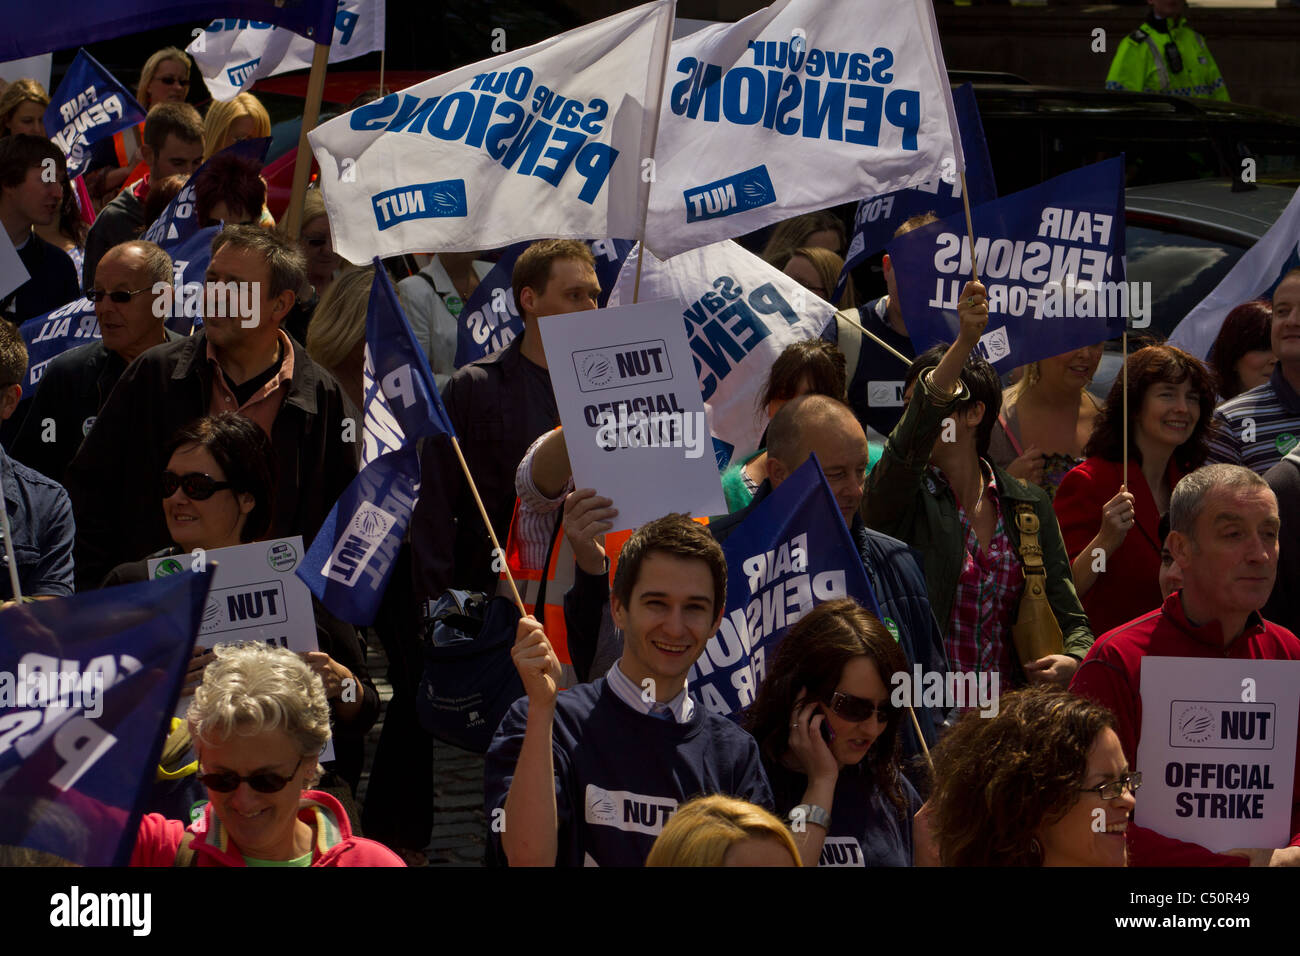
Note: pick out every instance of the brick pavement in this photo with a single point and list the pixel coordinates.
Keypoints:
(459, 825)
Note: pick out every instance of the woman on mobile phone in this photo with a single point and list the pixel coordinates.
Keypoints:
(829, 739)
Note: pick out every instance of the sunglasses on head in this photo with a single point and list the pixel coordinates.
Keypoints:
(263, 782)
(121, 296)
(172, 80)
(196, 485)
(857, 709)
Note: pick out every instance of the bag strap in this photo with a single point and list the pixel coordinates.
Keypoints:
(540, 604)
(848, 341)
(185, 855)
(1006, 427)
(1031, 552)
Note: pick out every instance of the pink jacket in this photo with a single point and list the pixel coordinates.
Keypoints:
(158, 839)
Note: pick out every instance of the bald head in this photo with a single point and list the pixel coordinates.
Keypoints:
(821, 425)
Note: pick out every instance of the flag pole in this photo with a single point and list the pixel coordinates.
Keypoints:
(514, 591)
(970, 230)
(1123, 481)
(843, 314)
(654, 143)
(302, 163)
(916, 724)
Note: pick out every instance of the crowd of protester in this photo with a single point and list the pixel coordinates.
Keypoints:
(1143, 524)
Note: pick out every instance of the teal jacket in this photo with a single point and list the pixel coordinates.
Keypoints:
(905, 501)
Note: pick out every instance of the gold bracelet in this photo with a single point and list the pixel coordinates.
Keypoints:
(938, 398)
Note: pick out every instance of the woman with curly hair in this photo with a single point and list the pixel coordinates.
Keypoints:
(1110, 521)
(723, 831)
(828, 736)
(1023, 788)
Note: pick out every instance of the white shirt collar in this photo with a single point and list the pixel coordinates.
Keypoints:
(681, 707)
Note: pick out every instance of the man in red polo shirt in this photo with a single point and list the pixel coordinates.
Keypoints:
(1223, 535)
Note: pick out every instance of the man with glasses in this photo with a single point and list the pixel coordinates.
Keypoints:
(173, 143)
(241, 361)
(1223, 535)
(131, 293)
(1165, 55)
(38, 511)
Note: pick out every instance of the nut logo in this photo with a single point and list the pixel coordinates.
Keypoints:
(596, 368)
(1194, 724)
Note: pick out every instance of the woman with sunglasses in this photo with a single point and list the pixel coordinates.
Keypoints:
(829, 739)
(218, 491)
(259, 720)
(1024, 788)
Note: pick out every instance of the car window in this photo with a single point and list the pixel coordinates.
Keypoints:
(1182, 270)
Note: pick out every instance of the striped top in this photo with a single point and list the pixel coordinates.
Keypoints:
(1258, 427)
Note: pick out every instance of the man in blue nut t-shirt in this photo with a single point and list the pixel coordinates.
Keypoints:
(590, 776)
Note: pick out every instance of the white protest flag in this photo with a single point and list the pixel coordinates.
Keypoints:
(547, 141)
(799, 106)
(12, 271)
(232, 53)
(1256, 274)
(741, 314)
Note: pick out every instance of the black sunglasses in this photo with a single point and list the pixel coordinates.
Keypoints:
(197, 486)
(263, 782)
(121, 296)
(171, 80)
(857, 709)
(315, 243)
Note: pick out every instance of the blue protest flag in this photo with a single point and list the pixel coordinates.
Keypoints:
(1051, 258)
(790, 554)
(180, 218)
(878, 216)
(33, 28)
(88, 685)
(489, 321)
(69, 326)
(89, 105)
(348, 564)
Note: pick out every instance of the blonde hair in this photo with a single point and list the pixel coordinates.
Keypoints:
(313, 206)
(151, 67)
(339, 321)
(828, 266)
(221, 116)
(15, 95)
(253, 688)
(702, 831)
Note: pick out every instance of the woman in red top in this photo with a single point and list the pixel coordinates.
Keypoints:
(1110, 522)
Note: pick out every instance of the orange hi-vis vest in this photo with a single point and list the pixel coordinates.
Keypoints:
(126, 146)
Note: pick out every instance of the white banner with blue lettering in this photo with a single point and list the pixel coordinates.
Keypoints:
(799, 106)
(89, 105)
(1051, 258)
(742, 315)
(232, 54)
(877, 217)
(543, 142)
(790, 554)
(1254, 276)
(489, 321)
(349, 563)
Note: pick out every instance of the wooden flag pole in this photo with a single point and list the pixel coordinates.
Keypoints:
(514, 591)
(921, 737)
(654, 144)
(1123, 481)
(874, 337)
(970, 230)
(302, 163)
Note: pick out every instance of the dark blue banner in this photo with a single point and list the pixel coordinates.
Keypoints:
(348, 565)
(89, 105)
(878, 216)
(32, 28)
(489, 321)
(49, 336)
(180, 219)
(1051, 258)
(790, 554)
(88, 685)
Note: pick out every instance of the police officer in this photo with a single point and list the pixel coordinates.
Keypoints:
(1165, 55)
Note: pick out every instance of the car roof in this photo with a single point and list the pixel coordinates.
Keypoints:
(1211, 204)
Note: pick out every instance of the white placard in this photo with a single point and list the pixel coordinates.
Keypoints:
(634, 421)
(255, 596)
(12, 271)
(1217, 752)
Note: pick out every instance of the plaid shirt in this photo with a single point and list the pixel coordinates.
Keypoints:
(979, 634)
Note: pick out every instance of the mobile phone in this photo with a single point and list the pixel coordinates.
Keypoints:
(827, 734)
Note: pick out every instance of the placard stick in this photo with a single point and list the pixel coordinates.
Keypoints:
(302, 162)
(514, 591)
(654, 141)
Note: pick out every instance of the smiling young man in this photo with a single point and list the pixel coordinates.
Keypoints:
(1224, 536)
(590, 776)
(1262, 425)
(76, 384)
